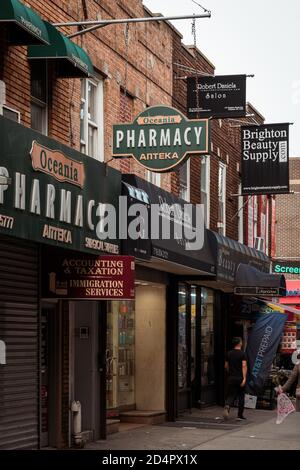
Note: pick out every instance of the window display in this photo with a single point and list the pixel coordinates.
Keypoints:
(182, 338)
(207, 338)
(120, 364)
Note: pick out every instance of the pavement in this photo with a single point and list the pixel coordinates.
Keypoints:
(206, 430)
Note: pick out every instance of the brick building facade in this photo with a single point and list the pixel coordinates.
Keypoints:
(287, 225)
(134, 68)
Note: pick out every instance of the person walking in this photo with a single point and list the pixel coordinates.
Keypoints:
(295, 376)
(236, 365)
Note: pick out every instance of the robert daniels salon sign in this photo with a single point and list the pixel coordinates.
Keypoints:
(160, 138)
(54, 195)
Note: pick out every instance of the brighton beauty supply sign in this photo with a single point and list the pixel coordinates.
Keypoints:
(265, 159)
(161, 138)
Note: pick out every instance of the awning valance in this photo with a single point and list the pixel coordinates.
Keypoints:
(229, 254)
(251, 281)
(169, 254)
(71, 59)
(26, 27)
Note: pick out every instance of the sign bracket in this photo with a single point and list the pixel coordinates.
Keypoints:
(91, 25)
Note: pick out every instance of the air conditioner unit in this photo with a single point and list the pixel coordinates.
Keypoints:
(259, 243)
(10, 113)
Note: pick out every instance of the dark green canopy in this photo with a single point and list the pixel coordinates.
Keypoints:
(71, 59)
(25, 26)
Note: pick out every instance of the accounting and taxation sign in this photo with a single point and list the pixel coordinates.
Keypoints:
(265, 159)
(160, 138)
(87, 277)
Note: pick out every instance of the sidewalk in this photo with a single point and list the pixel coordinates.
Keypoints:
(206, 430)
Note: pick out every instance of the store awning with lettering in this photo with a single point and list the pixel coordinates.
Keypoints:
(169, 254)
(71, 60)
(25, 26)
(251, 281)
(229, 255)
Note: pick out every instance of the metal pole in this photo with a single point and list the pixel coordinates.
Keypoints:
(103, 23)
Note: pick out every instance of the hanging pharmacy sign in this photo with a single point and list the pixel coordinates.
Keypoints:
(161, 138)
(87, 277)
(265, 159)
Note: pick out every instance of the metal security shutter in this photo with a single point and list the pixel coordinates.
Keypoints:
(19, 384)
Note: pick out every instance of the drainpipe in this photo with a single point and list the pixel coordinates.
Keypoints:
(76, 409)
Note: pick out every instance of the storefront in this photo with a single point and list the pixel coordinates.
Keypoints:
(291, 337)
(245, 271)
(177, 316)
(51, 195)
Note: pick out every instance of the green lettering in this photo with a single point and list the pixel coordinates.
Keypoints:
(278, 269)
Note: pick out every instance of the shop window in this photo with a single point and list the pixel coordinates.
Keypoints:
(207, 338)
(120, 360)
(182, 339)
(154, 178)
(240, 216)
(205, 188)
(184, 181)
(193, 333)
(39, 96)
(91, 119)
(222, 199)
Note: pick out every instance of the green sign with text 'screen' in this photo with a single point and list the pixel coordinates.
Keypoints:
(160, 138)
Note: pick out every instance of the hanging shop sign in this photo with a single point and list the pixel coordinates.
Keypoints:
(160, 138)
(52, 194)
(265, 159)
(87, 277)
(217, 97)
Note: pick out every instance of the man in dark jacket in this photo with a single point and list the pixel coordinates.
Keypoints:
(236, 365)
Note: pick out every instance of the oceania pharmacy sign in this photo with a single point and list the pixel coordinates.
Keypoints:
(160, 138)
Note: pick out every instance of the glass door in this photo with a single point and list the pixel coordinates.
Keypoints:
(208, 381)
(120, 360)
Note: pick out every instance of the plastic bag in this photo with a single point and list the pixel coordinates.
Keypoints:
(284, 407)
(250, 401)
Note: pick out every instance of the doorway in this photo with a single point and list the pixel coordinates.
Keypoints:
(48, 381)
(196, 347)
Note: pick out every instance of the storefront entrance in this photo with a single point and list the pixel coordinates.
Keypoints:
(72, 368)
(196, 347)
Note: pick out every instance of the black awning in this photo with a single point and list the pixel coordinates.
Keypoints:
(229, 254)
(251, 281)
(170, 255)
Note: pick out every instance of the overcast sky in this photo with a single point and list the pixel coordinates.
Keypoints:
(258, 37)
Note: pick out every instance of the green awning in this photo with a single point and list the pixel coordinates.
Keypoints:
(25, 26)
(71, 60)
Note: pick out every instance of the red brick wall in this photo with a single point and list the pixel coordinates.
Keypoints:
(287, 220)
(149, 71)
(224, 148)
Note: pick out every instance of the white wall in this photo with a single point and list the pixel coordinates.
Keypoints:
(150, 347)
